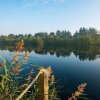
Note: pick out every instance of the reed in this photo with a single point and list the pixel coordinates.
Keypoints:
(12, 83)
(78, 92)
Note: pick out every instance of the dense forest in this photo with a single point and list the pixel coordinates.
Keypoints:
(83, 37)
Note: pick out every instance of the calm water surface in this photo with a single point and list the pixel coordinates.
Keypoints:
(70, 71)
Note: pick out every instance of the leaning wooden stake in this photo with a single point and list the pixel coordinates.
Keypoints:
(28, 87)
(43, 77)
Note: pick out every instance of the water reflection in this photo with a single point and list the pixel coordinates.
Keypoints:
(83, 53)
(69, 70)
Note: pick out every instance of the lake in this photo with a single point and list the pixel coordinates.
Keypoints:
(71, 67)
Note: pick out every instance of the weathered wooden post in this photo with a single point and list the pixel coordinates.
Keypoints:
(43, 83)
(43, 78)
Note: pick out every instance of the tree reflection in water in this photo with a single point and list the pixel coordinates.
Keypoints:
(82, 52)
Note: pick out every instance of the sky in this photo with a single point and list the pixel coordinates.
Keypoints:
(32, 16)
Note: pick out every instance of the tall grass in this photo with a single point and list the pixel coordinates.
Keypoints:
(12, 83)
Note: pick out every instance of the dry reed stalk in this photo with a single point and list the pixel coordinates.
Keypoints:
(52, 78)
(20, 45)
(15, 59)
(80, 90)
(26, 55)
(28, 79)
(17, 68)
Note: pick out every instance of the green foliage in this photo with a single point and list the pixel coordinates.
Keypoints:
(84, 36)
(12, 82)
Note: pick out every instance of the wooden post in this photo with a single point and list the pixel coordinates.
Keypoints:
(43, 85)
(43, 77)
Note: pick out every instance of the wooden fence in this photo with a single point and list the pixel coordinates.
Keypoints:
(42, 77)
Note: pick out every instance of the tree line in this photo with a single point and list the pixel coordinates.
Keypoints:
(83, 37)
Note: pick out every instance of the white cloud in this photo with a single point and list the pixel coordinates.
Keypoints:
(36, 1)
(31, 3)
(43, 1)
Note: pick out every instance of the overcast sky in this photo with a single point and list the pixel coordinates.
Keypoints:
(31, 16)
